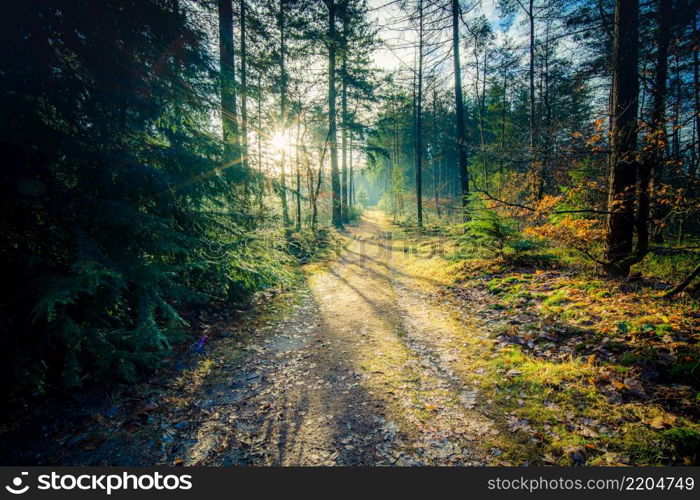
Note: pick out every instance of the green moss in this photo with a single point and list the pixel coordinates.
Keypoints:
(556, 299)
(687, 370)
(685, 441)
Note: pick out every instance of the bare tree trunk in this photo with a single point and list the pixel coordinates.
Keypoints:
(261, 180)
(244, 89)
(480, 99)
(244, 101)
(695, 163)
(436, 165)
(228, 77)
(531, 76)
(344, 130)
(298, 175)
(623, 169)
(459, 112)
(283, 115)
(394, 162)
(656, 138)
(316, 191)
(548, 143)
(677, 105)
(332, 127)
(419, 120)
(503, 130)
(351, 192)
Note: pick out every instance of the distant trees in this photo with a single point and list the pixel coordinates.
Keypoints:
(357, 89)
(298, 35)
(532, 135)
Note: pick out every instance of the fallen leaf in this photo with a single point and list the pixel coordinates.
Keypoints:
(618, 385)
(661, 422)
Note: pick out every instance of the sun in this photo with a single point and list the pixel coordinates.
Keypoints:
(279, 140)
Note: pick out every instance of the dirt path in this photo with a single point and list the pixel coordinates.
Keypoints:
(357, 372)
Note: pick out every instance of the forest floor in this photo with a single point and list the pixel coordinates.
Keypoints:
(390, 354)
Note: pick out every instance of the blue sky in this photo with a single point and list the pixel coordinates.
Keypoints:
(395, 54)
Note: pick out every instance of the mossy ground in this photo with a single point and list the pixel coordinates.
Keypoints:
(573, 367)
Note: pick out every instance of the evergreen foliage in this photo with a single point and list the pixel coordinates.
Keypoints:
(115, 198)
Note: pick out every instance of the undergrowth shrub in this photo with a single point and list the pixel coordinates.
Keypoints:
(307, 245)
(491, 235)
(355, 212)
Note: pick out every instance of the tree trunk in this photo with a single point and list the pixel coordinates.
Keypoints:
(436, 165)
(332, 132)
(244, 102)
(459, 112)
(316, 191)
(344, 132)
(623, 169)
(394, 162)
(419, 120)
(480, 101)
(693, 168)
(261, 180)
(244, 89)
(351, 176)
(297, 167)
(531, 115)
(547, 140)
(228, 76)
(283, 116)
(503, 130)
(656, 138)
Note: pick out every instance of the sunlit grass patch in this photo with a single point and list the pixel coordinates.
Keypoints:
(541, 372)
(556, 299)
(667, 266)
(192, 379)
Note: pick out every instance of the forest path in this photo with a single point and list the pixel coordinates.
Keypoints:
(359, 373)
(363, 364)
